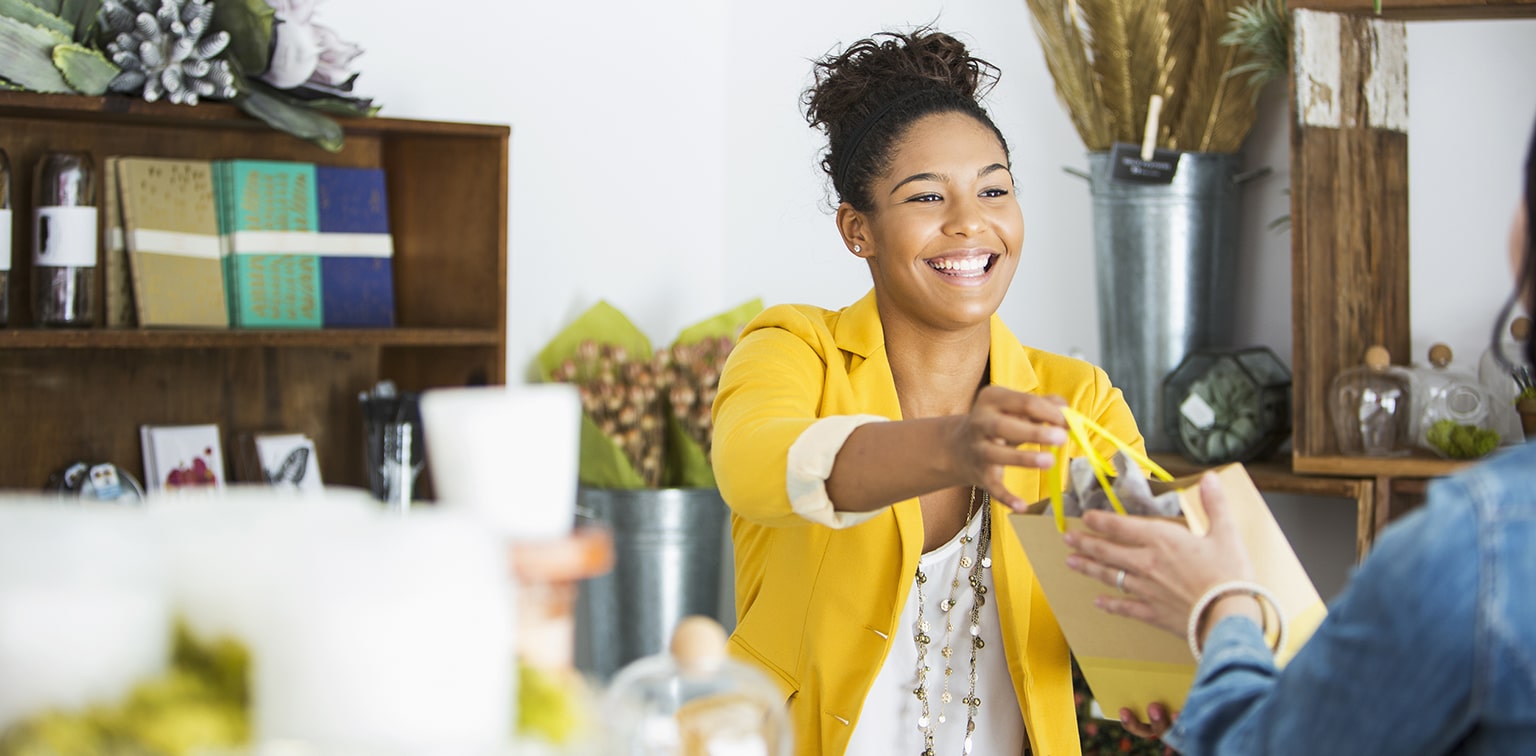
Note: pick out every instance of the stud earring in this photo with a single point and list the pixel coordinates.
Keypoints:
(857, 249)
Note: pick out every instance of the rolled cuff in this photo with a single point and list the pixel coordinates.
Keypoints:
(810, 464)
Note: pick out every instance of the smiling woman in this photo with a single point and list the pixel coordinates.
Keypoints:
(870, 454)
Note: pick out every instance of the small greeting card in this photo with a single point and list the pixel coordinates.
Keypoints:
(287, 460)
(182, 457)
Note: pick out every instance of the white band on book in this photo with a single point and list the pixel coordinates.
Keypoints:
(205, 246)
(1235, 586)
(355, 245)
(311, 243)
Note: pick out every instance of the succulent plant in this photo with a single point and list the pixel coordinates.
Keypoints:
(164, 49)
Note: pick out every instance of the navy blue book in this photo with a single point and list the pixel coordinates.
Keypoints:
(356, 250)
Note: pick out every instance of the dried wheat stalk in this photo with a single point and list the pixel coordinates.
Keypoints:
(1108, 57)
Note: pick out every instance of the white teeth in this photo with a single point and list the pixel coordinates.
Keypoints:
(964, 264)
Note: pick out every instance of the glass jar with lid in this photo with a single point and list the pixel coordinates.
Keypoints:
(1453, 414)
(1369, 404)
(694, 700)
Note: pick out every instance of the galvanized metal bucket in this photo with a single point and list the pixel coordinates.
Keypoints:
(1165, 256)
(671, 560)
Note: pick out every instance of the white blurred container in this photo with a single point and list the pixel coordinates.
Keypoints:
(509, 454)
(84, 612)
(221, 547)
(390, 635)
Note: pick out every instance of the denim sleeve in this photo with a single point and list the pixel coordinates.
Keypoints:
(1389, 670)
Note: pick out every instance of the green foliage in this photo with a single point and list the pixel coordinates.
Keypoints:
(26, 56)
(1263, 29)
(282, 113)
(29, 13)
(80, 14)
(1459, 441)
(546, 706)
(249, 23)
(87, 70)
(200, 703)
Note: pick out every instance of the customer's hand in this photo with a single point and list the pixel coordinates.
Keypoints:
(1001, 420)
(1166, 567)
(1159, 722)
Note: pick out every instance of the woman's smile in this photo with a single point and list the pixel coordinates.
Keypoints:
(964, 268)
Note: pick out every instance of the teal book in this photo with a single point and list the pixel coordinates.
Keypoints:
(269, 225)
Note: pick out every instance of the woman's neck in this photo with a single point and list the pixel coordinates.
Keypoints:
(937, 374)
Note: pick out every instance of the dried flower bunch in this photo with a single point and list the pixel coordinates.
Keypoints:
(647, 410)
(1109, 57)
(623, 396)
(693, 376)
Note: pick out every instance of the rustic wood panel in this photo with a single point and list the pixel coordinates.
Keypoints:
(1349, 211)
(1427, 9)
(67, 405)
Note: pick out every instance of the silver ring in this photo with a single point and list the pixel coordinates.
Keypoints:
(1120, 581)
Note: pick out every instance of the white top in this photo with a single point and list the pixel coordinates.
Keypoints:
(888, 723)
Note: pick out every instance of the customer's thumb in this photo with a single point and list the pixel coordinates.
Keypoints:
(1214, 501)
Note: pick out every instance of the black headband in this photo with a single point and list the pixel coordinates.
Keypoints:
(845, 160)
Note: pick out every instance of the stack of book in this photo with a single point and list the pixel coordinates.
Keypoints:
(247, 244)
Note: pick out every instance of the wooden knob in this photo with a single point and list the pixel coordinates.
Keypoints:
(1520, 328)
(698, 645)
(1377, 357)
(1439, 355)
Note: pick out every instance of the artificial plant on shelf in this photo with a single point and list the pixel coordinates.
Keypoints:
(269, 57)
(646, 412)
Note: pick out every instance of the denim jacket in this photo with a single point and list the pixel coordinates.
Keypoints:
(1430, 649)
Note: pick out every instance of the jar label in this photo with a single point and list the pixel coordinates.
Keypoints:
(1197, 412)
(64, 237)
(5, 239)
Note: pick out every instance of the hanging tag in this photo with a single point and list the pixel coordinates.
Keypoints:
(1126, 164)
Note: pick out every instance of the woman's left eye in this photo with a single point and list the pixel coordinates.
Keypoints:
(999, 192)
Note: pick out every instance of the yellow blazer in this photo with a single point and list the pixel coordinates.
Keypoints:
(815, 605)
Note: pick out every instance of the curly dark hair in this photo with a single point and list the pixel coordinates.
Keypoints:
(866, 97)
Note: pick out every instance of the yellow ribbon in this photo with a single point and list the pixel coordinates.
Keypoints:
(1078, 428)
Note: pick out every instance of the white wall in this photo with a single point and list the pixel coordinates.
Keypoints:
(660, 161)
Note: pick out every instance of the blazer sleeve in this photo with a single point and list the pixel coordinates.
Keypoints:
(770, 393)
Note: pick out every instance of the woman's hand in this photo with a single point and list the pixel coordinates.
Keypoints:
(1165, 567)
(1000, 421)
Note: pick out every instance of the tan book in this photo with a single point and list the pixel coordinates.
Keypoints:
(171, 230)
(119, 285)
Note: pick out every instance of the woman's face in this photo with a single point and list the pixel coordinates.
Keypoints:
(943, 237)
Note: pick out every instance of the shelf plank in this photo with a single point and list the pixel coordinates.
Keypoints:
(139, 338)
(1427, 9)
(1415, 466)
(212, 115)
(1276, 475)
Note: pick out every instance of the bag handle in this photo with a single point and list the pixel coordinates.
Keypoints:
(1078, 428)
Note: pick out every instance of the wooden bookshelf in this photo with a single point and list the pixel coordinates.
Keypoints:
(81, 394)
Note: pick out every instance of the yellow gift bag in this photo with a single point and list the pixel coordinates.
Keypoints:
(1127, 663)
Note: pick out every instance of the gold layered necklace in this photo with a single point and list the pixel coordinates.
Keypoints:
(975, 564)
